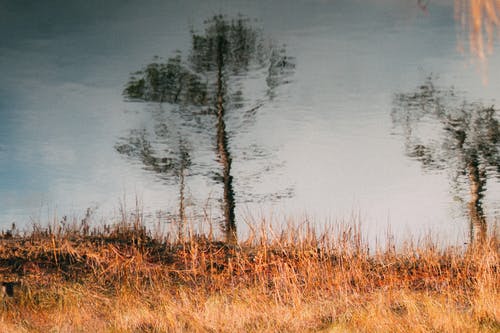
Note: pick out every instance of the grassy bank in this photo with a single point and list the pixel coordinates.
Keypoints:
(121, 279)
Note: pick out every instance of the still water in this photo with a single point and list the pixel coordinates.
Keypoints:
(324, 145)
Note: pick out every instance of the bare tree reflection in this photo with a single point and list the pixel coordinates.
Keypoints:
(445, 134)
(478, 22)
(169, 164)
(207, 86)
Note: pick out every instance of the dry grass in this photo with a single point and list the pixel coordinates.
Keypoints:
(122, 279)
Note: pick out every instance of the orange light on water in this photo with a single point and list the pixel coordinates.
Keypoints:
(479, 24)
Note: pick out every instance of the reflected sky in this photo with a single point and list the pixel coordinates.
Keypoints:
(64, 66)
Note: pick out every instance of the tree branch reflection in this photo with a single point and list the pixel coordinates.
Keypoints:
(444, 133)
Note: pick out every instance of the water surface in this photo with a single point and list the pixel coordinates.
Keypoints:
(324, 147)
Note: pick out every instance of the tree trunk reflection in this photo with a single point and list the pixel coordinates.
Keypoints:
(465, 141)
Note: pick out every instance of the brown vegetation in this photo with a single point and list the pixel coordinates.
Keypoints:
(122, 279)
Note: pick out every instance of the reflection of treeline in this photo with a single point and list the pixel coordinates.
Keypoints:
(207, 83)
(468, 144)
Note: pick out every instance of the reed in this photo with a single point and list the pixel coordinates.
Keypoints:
(121, 278)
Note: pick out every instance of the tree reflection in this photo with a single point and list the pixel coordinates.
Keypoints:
(207, 85)
(466, 143)
(478, 20)
(169, 164)
(169, 82)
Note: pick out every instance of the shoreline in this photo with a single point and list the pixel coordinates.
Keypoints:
(121, 279)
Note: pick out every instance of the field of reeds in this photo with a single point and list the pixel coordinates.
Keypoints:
(124, 279)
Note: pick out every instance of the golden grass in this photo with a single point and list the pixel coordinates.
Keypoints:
(123, 280)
